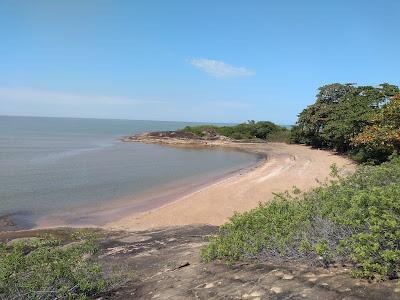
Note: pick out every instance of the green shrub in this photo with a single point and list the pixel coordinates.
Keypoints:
(355, 219)
(198, 130)
(43, 268)
(263, 130)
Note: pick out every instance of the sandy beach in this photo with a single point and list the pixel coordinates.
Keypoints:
(285, 166)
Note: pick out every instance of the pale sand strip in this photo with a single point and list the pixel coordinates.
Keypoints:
(286, 166)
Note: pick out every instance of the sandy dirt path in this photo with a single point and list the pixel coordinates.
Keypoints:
(286, 166)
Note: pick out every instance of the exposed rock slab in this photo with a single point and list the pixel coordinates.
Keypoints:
(171, 269)
(166, 265)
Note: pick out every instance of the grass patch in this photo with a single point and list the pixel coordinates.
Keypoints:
(355, 219)
(45, 268)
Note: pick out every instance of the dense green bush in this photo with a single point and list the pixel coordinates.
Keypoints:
(355, 219)
(263, 130)
(42, 268)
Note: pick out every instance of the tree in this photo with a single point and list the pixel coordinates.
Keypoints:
(339, 114)
(385, 128)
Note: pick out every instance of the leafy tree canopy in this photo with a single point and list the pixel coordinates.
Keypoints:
(340, 113)
(385, 128)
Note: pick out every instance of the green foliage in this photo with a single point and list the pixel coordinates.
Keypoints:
(263, 130)
(384, 132)
(354, 219)
(199, 130)
(43, 268)
(341, 112)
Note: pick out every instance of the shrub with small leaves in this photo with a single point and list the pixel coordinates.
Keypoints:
(355, 219)
(44, 268)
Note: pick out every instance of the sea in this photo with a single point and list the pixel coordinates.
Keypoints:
(65, 169)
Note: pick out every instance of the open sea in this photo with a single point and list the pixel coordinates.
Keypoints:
(51, 166)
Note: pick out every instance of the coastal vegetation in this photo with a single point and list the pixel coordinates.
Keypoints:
(45, 268)
(252, 130)
(360, 120)
(352, 220)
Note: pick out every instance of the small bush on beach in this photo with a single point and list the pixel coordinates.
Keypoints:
(354, 219)
(44, 268)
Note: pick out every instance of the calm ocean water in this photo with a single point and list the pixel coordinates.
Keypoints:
(49, 165)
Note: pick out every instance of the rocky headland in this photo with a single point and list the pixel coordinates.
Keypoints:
(209, 138)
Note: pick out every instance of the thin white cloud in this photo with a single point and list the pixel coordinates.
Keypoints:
(220, 69)
(39, 102)
(27, 101)
(38, 95)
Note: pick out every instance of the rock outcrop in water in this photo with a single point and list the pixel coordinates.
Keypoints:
(210, 137)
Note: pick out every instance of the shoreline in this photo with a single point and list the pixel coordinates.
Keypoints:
(156, 197)
(213, 201)
(286, 166)
(92, 216)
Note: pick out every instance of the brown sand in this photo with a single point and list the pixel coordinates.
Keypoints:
(286, 166)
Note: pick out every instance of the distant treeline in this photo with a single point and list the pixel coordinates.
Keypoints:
(361, 120)
(263, 130)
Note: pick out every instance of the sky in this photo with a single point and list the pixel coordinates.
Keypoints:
(207, 61)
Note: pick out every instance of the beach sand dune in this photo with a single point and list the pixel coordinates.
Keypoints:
(285, 166)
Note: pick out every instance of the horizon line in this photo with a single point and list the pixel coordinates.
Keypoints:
(119, 119)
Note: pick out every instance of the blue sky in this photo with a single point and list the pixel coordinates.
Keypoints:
(217, 61)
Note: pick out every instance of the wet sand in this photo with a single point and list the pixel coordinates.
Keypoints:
(286, 166)
(103, 213)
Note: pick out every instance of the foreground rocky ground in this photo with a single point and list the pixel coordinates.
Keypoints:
(165, 265)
